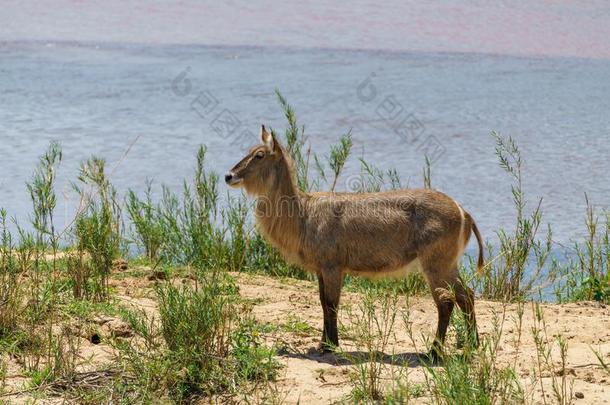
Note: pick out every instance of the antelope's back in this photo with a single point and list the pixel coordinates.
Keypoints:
(377, 230)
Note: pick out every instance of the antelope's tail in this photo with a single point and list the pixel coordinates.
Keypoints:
(481, 260)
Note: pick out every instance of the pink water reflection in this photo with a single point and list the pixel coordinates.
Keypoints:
(550, 28)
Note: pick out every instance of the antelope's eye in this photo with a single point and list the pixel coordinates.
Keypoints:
(259, 154)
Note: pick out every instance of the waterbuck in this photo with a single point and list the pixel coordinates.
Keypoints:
(385, 234)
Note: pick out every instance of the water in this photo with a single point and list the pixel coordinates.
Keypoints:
(115, 90)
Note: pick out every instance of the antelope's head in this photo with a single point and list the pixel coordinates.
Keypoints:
(260, 168)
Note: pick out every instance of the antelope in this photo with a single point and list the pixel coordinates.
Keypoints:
(374, 235)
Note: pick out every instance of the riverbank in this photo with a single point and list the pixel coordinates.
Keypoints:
(288, 317)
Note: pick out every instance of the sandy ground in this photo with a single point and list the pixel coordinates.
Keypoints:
(309, 377)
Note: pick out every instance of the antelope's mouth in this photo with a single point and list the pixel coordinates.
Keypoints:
(233, 181)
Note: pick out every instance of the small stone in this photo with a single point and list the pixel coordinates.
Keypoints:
(101, 320)
(119, 265)
(118, 328)
(579, 395)
(157, 275)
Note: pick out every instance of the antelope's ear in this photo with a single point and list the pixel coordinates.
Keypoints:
(267, 139)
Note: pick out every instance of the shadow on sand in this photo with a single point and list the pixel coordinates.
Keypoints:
(409, 359)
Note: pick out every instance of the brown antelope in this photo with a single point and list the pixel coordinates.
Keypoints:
(374, 235)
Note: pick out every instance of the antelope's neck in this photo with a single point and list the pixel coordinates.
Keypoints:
(280, 214)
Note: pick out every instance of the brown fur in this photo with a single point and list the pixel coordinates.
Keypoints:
(369, 234)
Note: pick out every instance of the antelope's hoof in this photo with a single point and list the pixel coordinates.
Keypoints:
(324, 347)
(432, 358)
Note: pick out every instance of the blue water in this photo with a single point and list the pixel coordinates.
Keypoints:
(113, 99)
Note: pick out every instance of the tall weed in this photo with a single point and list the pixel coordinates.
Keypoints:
(10, 287)
(512, 276)
(590, 278)
(145, 219)
(98, 232)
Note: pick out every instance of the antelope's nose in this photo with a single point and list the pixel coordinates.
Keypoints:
(228, 177)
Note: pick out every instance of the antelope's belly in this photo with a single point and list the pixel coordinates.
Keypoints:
(389, 273)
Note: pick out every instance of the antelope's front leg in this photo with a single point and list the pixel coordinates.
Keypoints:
(324, 311)
(330, 281)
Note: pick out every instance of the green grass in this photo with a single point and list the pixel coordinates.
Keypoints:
(299, 327)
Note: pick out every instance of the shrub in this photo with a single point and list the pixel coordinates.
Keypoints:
(255, 362)
(97, 231)
(196, 327)
(204, 344)
(148, 226)
(10, 287)
(592, 268)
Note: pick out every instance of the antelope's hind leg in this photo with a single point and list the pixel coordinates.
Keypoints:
(441, 273)
(464, 297)
(447, 289)
(444, 306)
